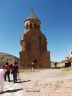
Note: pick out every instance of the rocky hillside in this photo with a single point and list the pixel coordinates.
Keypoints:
(4, 57)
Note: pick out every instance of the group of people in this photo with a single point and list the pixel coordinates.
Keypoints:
(5, 72)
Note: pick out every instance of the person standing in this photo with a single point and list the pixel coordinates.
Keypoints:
(15, 69)
(33, 65)
(2, 72)
(7, 71)
(55, 64)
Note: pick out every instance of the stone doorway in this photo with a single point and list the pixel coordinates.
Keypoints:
(35, 63)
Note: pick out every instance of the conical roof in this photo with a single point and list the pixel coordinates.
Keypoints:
(32, 15)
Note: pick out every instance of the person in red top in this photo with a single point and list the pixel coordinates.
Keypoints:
(15, 69)
(7, 71)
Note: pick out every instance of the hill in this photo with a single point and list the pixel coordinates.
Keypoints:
(4, 57)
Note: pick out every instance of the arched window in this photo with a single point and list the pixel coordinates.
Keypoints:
(26, 26)
(31, 27)
(38, 26)
(35, 25)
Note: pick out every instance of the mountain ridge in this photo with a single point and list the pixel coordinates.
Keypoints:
(5, 57)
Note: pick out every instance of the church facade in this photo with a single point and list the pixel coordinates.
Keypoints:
(33, 44)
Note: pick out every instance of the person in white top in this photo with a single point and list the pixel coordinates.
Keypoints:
(2, 72)
(32, 67)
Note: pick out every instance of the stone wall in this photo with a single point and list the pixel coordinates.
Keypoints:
(34, 46)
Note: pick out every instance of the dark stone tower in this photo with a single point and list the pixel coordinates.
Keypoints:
(33, 44)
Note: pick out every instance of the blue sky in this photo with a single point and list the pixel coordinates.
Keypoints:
(56, 24)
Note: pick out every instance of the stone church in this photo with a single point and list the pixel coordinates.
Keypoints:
(33, 44)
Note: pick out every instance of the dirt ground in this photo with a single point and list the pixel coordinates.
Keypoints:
(46, 82)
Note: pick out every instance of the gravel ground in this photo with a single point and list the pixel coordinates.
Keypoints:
(46, 82)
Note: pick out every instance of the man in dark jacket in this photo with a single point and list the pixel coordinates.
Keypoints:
(15, 71)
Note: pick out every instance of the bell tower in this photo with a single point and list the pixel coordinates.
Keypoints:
(33, 44)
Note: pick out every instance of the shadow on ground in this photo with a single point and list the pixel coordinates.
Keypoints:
(57, 67)
(23, 81)
(13, 90)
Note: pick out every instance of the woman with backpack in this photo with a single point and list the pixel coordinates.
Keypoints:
(7, 71)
